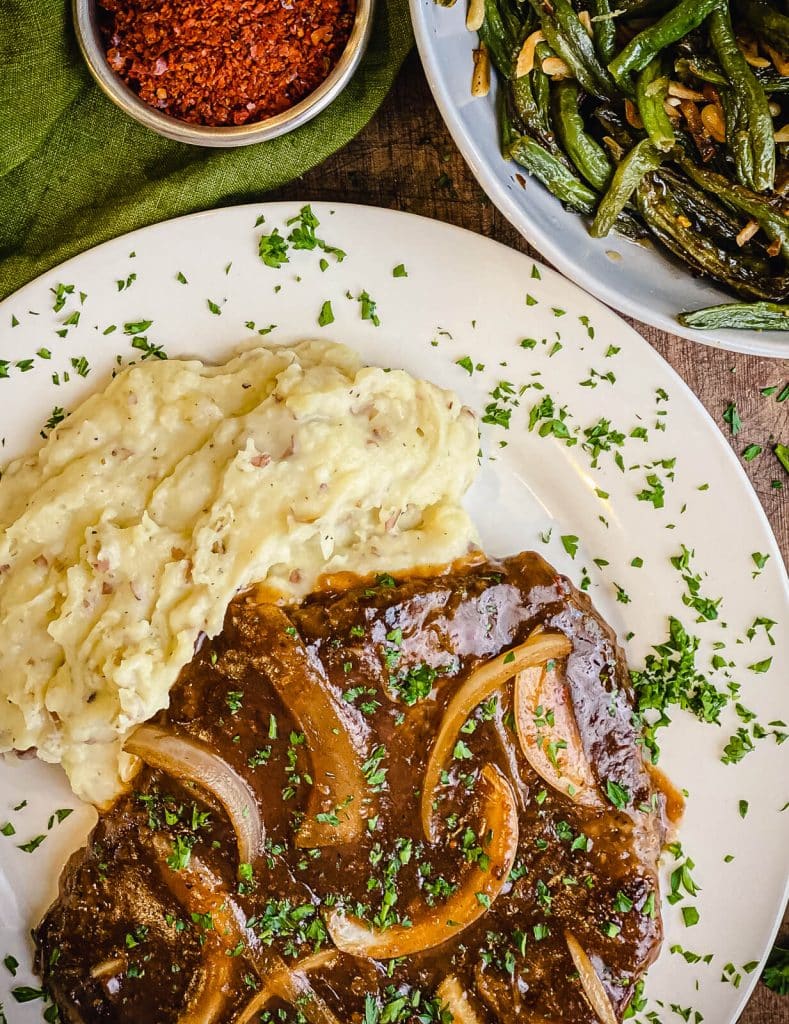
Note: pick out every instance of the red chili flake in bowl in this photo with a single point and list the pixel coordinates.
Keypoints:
(224, 62)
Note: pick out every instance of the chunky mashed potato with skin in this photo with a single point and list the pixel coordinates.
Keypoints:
(142, 515)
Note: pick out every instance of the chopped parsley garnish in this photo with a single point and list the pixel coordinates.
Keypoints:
(732, 417)
(137, 326)
(181, 853)
(570, 544)
(776, 971)
(273, 249)
(414, 684)
(670, 677)
(399, 271)
(368, 310)
(32, 844)
(326, 315)
(618, 795)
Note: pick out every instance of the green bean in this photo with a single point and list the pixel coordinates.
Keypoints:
(756, 112)
(553, 174)
(701, 67)
(499, 39)
(651, 94)
(767, 22)
(604, 29)
(687, 15)
(542, 82)
(770, 81)
(569, 39)
(737, 140)
(706, 215)
(747, 276)
(532, 118)
(585, 152)
(742, 316)
(641, 159)
(771, 219)
(614, 124)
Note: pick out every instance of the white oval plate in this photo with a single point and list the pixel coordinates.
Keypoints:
(644, 282)
(464, 296)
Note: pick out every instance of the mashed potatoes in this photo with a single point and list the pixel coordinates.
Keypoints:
(127, 535)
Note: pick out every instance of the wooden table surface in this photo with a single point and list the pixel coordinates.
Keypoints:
(406, 160)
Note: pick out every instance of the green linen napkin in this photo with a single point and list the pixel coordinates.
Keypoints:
(75, 170)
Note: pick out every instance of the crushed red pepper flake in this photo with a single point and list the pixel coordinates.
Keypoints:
(224, 62)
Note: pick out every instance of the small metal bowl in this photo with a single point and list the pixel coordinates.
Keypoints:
(113, 86)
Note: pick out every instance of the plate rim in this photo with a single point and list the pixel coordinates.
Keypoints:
(646, 351)
(730, 341)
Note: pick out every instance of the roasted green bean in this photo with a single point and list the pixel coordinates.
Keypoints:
(743, 316)
(651, 95)
(770, 217)
(584, 151)
(687, 15)
(553, 174)
(755, 122)
(569, 40)
(748, 276)
(604, 29)
(767, 22)
(641, 159)
(692, 162)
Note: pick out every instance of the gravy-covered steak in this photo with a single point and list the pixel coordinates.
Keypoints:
(420, 799)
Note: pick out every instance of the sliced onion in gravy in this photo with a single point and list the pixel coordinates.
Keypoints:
(340, 794)
(475, 894)
(189, 760)
(200, 891)
(283, 982)
(591, 984)
(537, 650)
(548, 733)
(455, 998)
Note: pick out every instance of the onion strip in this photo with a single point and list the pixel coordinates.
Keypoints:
(483, 681)
(189, 760)
(280, 983)
(498, 832)
(591, 984)
(340, 790)
(455, 998)
(201, 892)
(549, 737)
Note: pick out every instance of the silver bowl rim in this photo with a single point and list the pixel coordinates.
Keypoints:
(113, 86)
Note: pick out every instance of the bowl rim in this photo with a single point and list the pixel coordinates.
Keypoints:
(116, 89)
(770, 344)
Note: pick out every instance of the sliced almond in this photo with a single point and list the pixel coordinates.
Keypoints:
(750, 52)
(780, 61)
(585, 18)
(713, 119)
(475, 16)
(671, 108)
(683, 92)
(747, 232)
(782, 135)
(632, 115)
(556, 68)
(525, 62)
(480, 79)
(774, 247)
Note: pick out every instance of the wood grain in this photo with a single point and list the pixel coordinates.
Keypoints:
(406, 160)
